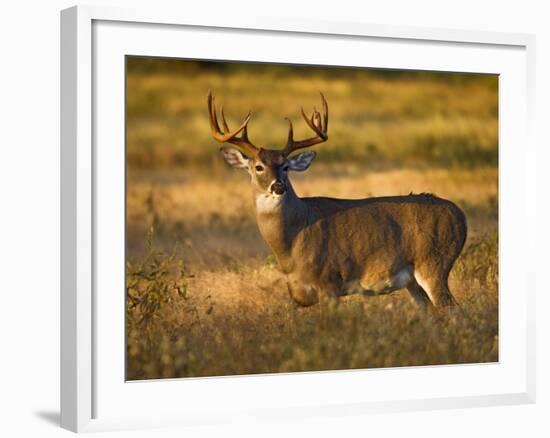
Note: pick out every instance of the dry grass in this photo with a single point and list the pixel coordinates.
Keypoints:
(235, 316)
(241, 321)
(205, 296)
(377, 118)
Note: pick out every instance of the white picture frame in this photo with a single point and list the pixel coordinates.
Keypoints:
(91, 393)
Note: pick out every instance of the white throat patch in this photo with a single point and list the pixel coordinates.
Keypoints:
(268, 202)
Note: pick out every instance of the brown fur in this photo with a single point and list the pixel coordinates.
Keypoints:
(323, 244)
(332, 247)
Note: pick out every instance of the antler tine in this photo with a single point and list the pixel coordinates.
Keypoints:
(290, 139)
(325, 112)
(228, 136)
(319, 125)
(214, 127)
(224, 123)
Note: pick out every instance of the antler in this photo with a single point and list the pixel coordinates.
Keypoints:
(226, 135)
(319, 125)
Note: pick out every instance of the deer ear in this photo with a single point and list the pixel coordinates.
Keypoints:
(301, 162)
(235, 158)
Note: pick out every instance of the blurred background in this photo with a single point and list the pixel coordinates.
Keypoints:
(378, 118)
(205, 294)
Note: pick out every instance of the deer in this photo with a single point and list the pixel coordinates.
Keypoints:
(327, 247)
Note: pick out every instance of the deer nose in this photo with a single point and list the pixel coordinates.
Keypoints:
(277, 187)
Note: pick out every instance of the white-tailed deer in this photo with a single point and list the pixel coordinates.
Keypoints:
(332, 247)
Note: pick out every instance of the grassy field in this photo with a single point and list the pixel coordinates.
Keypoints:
(206, 297)
(378, 119)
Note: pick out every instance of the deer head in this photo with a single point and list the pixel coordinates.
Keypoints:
(268, 168)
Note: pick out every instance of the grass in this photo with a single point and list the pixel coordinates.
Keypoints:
(378, 118)
(220, 304)
(240, 321)
(205, 296)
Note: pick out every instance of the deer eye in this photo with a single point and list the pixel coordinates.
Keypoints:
(259, 168)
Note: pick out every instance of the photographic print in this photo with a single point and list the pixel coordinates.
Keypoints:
(290, 218)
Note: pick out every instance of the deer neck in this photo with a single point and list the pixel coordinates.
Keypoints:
(279, 220)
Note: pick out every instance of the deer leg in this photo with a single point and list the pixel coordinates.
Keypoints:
(419, 295)
(302, 294)
(330, 296)
(436, 287)
(444, 296)
(328, 301)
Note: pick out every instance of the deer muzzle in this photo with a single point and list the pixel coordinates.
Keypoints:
(278, 187)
